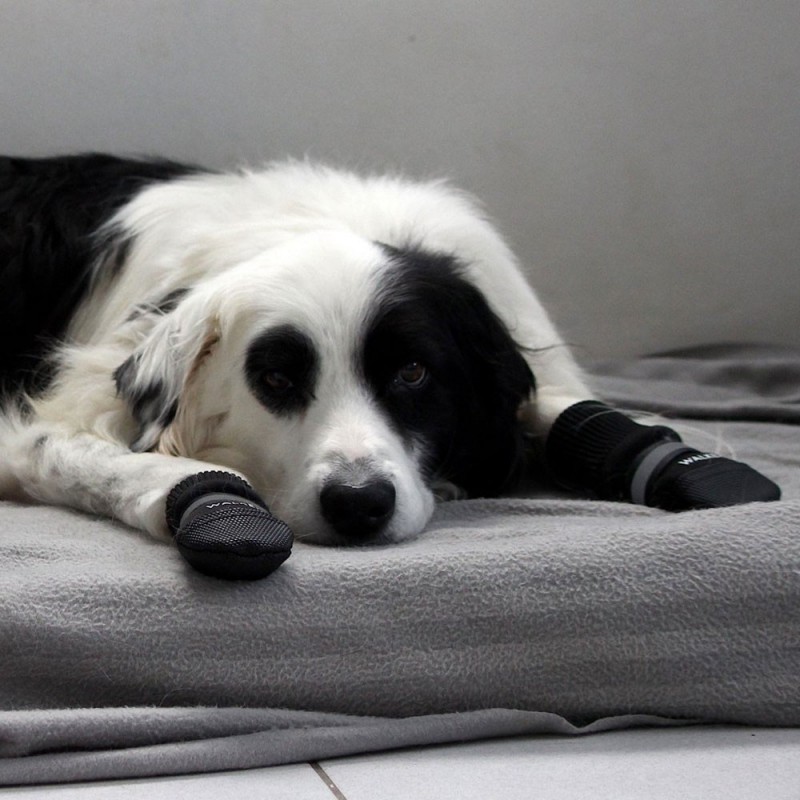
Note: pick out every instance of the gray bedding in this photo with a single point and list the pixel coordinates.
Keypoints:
(519, 615)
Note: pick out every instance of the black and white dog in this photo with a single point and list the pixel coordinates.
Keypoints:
(354, 347)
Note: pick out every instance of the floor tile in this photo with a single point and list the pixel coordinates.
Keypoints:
(291, 782)
(705, 763)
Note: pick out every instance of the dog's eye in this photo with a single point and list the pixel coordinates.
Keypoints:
(277, 381)
(412, 375)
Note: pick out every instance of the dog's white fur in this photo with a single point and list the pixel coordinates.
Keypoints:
(244, 242)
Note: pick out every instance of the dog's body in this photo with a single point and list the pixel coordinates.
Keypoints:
(351, 346)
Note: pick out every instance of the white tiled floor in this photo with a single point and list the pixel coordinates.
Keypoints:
(653, 764)
(292, 782)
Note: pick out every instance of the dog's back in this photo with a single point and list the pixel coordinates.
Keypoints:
(50, 211)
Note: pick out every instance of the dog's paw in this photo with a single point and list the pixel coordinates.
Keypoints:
(224, 529)
(684, 478)
(595, 447)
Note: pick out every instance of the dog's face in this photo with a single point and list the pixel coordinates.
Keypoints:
(347, 379)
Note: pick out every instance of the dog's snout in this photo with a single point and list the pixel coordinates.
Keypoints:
(358, 512)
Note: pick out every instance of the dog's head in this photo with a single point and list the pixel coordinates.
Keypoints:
(347, 379)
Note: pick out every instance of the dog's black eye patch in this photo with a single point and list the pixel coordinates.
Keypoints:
(447, 371)
(281, 369)
(405, 364)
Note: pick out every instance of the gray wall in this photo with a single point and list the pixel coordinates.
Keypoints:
(643, 156)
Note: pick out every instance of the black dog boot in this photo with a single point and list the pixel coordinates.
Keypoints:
(593, 447)
(224, 529)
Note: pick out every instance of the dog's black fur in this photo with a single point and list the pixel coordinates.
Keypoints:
(468, 413)
(52, 212)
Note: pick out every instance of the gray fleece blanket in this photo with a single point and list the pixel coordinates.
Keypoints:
(521, 615)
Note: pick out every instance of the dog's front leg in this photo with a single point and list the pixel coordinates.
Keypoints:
(589, 446)
(91, 474)
(220, 525)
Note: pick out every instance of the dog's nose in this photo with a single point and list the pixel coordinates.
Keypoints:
(358, 512)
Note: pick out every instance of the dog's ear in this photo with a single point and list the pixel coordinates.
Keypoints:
(488, 452)
(153, 379)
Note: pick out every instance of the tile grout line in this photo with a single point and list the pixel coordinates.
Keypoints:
(326, 779)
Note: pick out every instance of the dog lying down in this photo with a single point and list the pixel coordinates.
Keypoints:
(185, 348)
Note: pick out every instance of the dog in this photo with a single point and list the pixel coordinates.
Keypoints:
(356, 347)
